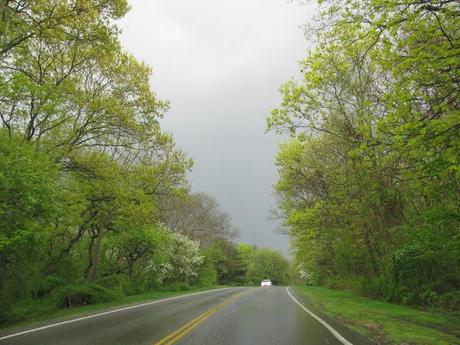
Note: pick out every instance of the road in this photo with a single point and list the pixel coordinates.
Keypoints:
(230, 316)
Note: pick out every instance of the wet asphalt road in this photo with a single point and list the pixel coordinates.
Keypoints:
(232, 316)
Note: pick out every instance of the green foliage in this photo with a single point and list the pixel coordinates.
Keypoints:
(208, 273)
(94, 199)
(227, 262)
(70, 296)
(28, 192)
(45, 286)
(369, 180)
(85, 167)
(268, 264)
(118, 282)
(28, 204)
(176, 287)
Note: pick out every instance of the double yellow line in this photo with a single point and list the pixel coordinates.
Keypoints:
(181, 332)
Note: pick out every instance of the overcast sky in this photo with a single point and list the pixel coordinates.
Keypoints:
(220, 64)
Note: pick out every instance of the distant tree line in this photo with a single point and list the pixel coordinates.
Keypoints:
(369, 185)
(94, 197)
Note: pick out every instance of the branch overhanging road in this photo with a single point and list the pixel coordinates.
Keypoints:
(227, 316)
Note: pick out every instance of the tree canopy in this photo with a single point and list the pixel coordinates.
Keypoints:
(369, 182)
(95, 201)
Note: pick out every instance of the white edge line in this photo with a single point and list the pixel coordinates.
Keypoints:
(336, 334)
(107, 312)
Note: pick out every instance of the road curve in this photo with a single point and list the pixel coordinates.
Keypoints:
(231, 316)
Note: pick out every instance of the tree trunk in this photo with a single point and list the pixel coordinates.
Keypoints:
(94, 250)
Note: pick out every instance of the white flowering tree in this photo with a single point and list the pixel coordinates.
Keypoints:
(304, 274)
(185, 259)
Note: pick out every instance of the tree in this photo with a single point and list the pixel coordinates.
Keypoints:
(185, 259)
(70, 84)
(227, 262)
(369, 183)
(268, 264)
(138, 254)
(22, 22)
(199, 216)
(80, 111)
(29, 201)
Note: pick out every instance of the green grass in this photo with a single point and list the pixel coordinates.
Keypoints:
(386, 323)
(44, 314)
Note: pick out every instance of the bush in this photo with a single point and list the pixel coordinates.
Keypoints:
(352, 283)
(417, 274)
(207, 275)
(119, 283)
(71, 296)
(45, 286)
(27, 309)
(177, 287)
(449, 301)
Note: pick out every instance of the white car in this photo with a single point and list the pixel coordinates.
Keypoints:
(266, 283)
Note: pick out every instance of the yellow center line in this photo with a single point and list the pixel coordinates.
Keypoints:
(187, 326)
(181, 332)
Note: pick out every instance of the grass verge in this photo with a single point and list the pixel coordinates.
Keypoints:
(57, 315)
(386, 323)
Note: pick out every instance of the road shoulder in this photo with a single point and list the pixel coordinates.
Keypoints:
(351, 335)
(383, 322)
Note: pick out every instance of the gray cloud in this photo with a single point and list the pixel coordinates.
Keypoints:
(220, 64)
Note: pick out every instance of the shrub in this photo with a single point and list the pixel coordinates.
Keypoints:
(418, 275)
(177, 287)
(27, 309)
(351, 283)
(449, 301)
(45, 286)
(118, 282)
(71, 296)
(208, 274)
